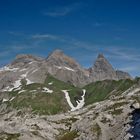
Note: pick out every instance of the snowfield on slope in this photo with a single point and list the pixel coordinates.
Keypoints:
(65, 68)
(6, 68)
(80, 103)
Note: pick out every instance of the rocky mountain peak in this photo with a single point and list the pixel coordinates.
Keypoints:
(23, 59)
(27, 56)
(101, 56)
(22, 56)
(102, 69)
(66, 68)
(102, 64)
(57, 52)
(58, 58)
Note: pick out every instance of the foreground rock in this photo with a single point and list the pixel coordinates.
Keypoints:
(104, 120)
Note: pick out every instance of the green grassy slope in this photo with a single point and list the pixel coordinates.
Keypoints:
(101, 90)
(40, 102)
(36, 100)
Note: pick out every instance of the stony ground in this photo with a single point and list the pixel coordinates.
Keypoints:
(106, 120)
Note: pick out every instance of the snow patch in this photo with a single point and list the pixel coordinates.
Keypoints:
(34, 70)
(12, 98)
(24, 75)
(17, 88)
(23, 69)
(68, 99)
(50, 83)
(31, 62)
(65, 68)
(80, 103)
(28, 81)
(47, 90)
(16, 84)
(32, 91)
(6, 89)
(58, 67)
(5, 100)
(69, 69)
(21, 91)
(6, 68)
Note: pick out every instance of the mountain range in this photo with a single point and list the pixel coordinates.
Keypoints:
(55, 98)
(35, 69)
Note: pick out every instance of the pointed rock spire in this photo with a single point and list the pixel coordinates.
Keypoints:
(102, 69)
(102, 63)
(100, 56)
(57, 52)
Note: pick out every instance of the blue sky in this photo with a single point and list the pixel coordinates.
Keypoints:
(81, 28)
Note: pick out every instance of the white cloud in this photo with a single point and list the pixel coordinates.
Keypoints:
(58, 13)
(45, 36)
(63, 10)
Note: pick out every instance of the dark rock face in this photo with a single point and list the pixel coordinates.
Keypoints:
(62, 67)
(135, 125)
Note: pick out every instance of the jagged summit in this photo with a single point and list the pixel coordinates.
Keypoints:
(58, 58)
(27, 57)
(102, 69)
(21, 56)
(56, 52)
(100, 55)
(66, 68)
(102, 63)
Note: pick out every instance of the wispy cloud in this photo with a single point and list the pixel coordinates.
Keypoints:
(15, 33)
(62, 10)
(127, 56)
(130, 69)
(58, 13)
(45, 36)
(116, 52)
(120, 52)
(122, 57)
